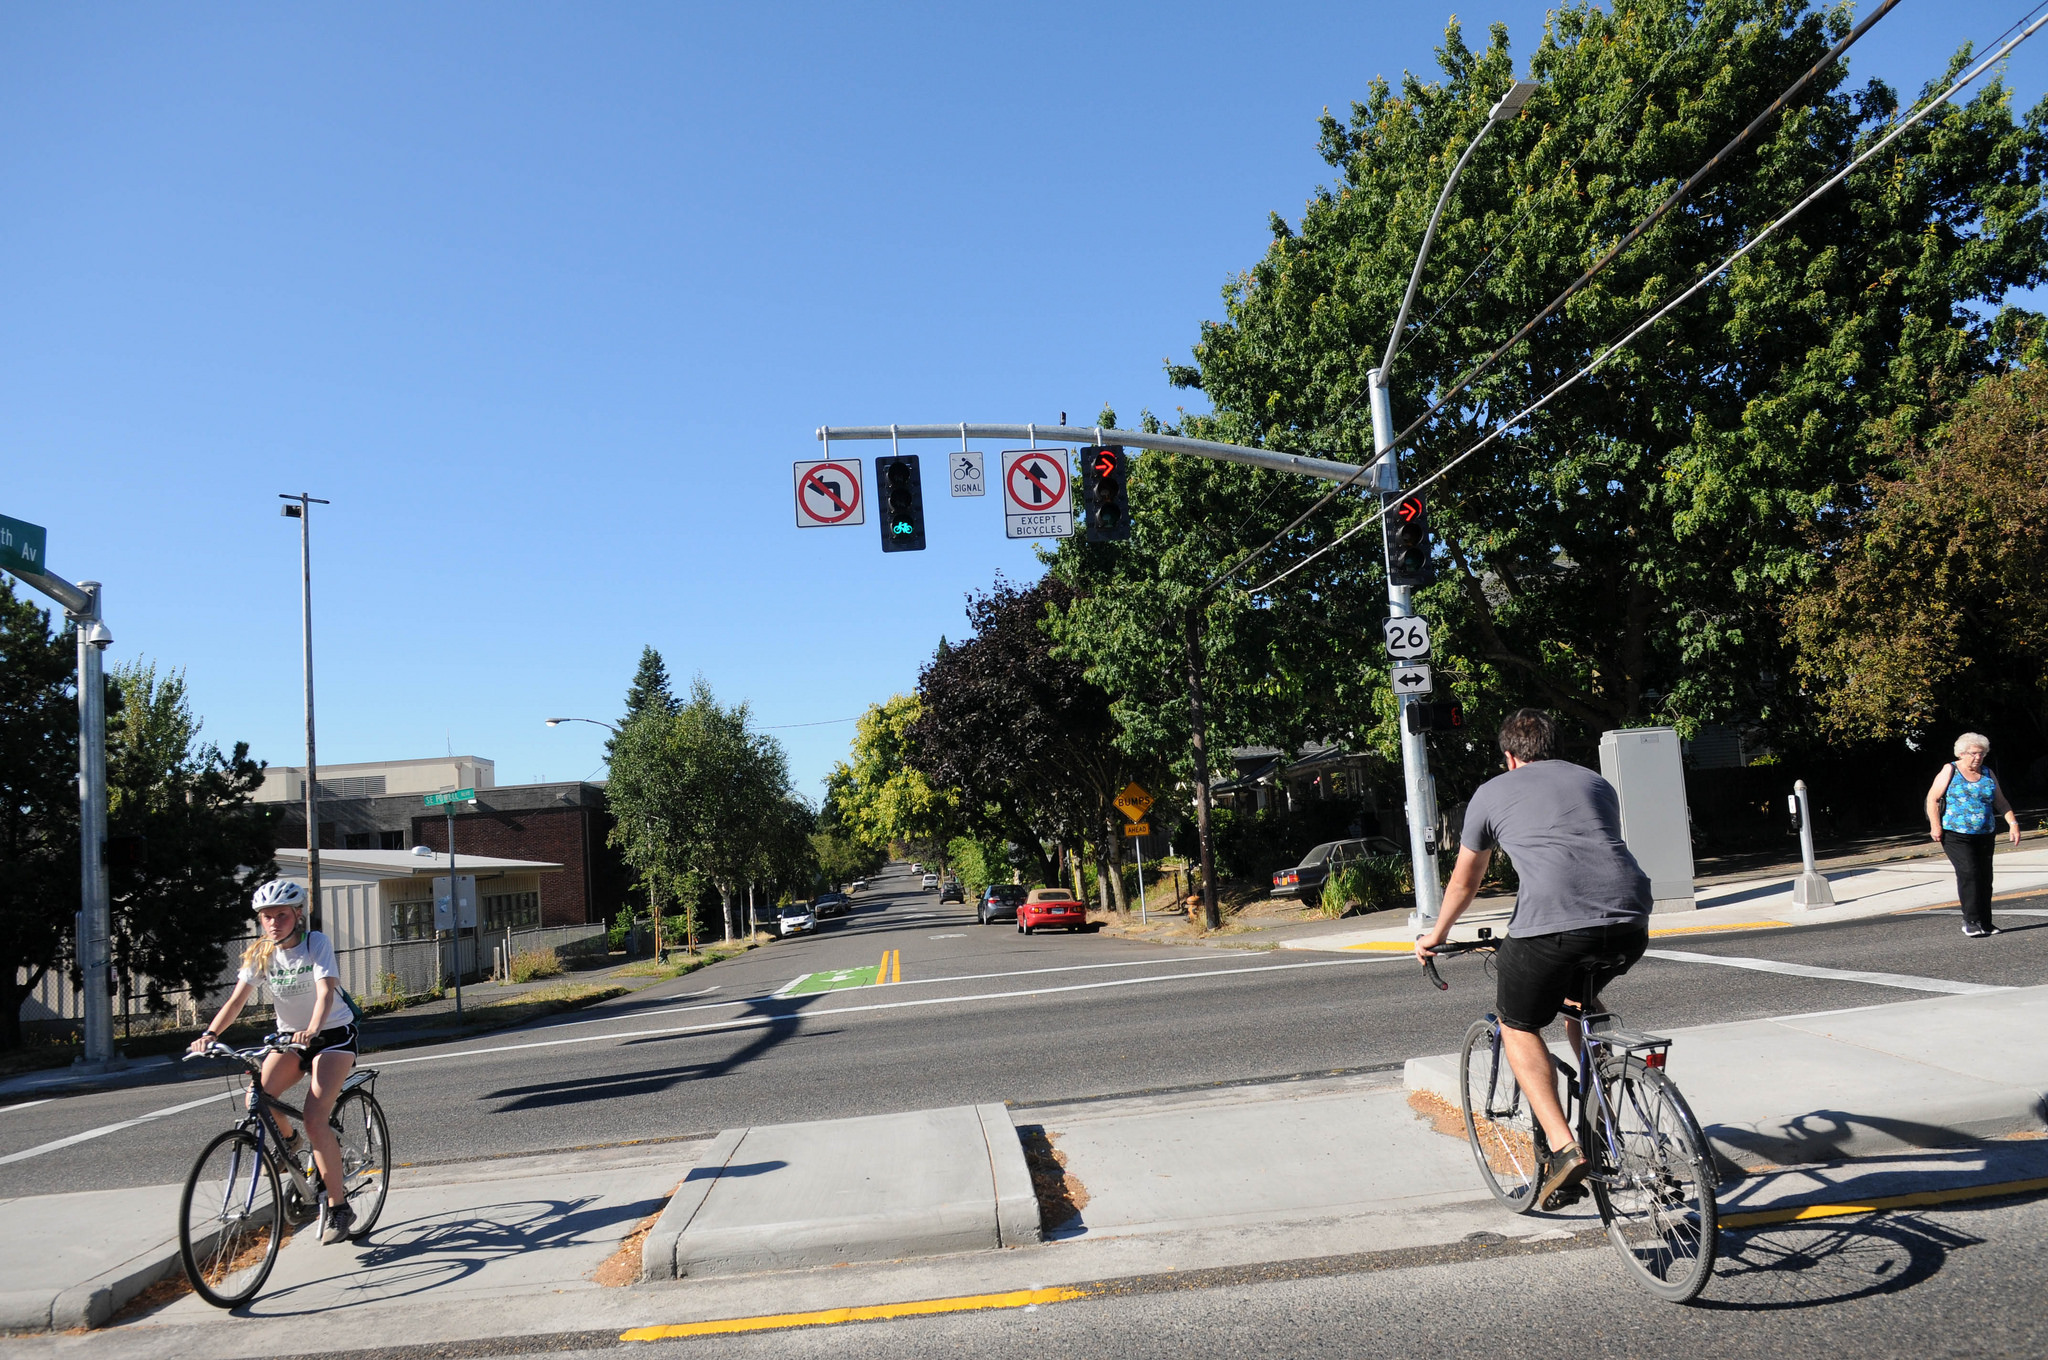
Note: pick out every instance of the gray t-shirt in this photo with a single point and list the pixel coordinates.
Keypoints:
(1561, 824)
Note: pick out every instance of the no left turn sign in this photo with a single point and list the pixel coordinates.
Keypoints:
(828, 494)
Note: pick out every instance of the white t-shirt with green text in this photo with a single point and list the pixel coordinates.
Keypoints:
(292, 980)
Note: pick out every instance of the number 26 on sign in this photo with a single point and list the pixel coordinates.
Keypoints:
(1407, 637)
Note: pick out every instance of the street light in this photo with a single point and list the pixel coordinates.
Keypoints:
(299, 506)
(1420, 786)
(557, 722)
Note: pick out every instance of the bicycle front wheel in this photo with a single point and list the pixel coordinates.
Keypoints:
(1506, 1140)
(1656, 1193)
(230, 1220)
(358, 1123)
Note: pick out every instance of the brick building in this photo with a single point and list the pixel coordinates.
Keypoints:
(563, 824)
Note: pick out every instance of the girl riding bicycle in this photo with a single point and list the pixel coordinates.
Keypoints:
(297, 965)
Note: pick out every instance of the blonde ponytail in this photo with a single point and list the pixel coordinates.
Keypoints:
(257, 954)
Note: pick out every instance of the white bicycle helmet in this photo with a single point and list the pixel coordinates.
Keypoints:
(281, 892)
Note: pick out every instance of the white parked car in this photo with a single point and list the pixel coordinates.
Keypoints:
(795, 919)
(930, 881)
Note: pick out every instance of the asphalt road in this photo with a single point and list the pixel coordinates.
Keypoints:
(1962, 1281)
(981, 1014)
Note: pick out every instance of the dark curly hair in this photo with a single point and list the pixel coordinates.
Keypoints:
(1528, 734)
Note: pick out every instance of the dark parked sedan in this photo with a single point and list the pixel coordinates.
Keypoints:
(999, 902)
(831, 904)
(1306, 878)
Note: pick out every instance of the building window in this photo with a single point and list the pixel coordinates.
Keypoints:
(511, 911)
(412, 920)
(391, 840)
(356, 840)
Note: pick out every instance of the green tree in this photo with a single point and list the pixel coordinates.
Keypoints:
(38, 773)
(1932, 610)
(1622, 555)
(879, 795)
(187, 843)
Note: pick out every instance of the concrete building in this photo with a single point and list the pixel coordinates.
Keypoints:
(379, 807)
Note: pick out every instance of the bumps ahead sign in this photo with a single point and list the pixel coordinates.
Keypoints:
(22, 546)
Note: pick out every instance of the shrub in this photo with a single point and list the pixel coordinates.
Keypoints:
(622, 926)
(529, 964)
(391, 989)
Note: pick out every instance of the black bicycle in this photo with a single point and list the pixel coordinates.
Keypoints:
(248, 1186)
(1651, 1170)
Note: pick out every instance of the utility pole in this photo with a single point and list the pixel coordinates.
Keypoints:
(1198, 733)
(301, 510)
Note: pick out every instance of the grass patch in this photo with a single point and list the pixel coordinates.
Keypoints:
(529, 964)
(679, 964)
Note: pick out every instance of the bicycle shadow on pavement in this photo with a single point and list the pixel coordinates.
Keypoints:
(446, 1248)
(1818, 1136)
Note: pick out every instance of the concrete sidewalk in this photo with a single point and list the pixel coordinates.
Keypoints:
(1747, 904)
(933, 1204)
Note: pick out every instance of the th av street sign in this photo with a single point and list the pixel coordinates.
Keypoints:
(1037, 501)
(451, 796)
(1413, 680)
(23, 546)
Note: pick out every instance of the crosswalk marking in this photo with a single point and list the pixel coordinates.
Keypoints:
(1902, 980)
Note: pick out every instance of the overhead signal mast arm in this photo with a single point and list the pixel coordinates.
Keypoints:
(1139, 439)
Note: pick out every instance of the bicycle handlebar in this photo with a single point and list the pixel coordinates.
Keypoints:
(1453, 947)
(280, 1042)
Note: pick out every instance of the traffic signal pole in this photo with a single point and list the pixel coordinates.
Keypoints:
(1416, 781)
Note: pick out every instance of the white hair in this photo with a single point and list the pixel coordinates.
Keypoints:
(1976, 740)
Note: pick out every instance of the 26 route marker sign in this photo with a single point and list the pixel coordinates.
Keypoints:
(828, 494)
(1413, 680)
(1036, 499)
(1407, 637)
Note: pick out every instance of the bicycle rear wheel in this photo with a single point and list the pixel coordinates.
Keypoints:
(358, 1122)
(1656, 1195)
(230, 1220)
(1506, 1140)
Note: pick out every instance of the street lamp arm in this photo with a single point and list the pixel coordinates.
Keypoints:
(557, 722)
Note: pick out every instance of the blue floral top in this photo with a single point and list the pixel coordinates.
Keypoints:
(1966, 808)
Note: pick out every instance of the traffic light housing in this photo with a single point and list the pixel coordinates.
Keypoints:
(1105, 495)
(902, 502)
(1409, 562)
(1434, 717)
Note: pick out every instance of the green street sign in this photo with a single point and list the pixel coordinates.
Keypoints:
(23, 546)
(453, 796)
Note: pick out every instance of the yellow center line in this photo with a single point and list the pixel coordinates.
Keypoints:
(1021, 1298)
(1878, 1203)
(1730, 925)
(882, 969)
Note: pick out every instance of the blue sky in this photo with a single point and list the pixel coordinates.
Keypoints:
(547, 298)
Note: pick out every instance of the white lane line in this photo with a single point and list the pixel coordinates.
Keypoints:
(1902, 980)
(26, 1103)
(106, 1129)
(1996, 910)
(755, 1021)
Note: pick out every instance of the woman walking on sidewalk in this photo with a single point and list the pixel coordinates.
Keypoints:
(1959, 816)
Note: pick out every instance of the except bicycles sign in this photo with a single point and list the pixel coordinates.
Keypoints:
(1035, 499)
(828, 494)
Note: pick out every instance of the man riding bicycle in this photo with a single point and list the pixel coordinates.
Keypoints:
(1582, 897)
(297, 965)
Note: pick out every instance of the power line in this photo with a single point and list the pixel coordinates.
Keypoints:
(1634, 234)
(1768, 231)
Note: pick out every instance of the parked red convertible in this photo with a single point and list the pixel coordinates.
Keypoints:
(1051, 907)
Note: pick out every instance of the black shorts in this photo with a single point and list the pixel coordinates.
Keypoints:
(1537, 973)
(340, 1039)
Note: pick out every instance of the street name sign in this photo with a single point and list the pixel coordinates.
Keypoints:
(966, 469)
(1413, 680)
(1134, 802)
(1136, 829)
(828, 494)
(23, 546)
(451, 796)
(1036, 496)
(1407, 637)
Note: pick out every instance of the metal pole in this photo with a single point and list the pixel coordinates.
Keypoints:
(95, 918)
(1139, 846)
(1416, 780)
(305, 517)
(1812, 890)
(1199, 740)
(455, 911)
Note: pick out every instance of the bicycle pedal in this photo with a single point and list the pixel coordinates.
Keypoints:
(1564, 1197)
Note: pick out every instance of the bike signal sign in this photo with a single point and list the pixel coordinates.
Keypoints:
(966, 469)
(1036, 497)
(828, 494)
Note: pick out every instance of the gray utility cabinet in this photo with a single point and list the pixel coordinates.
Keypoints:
(1644, 766)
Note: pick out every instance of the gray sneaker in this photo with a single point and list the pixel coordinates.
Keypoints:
(336, 1221)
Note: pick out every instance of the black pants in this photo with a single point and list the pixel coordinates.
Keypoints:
(1971, 856)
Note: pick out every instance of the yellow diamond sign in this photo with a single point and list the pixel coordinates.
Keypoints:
(1134, 802)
